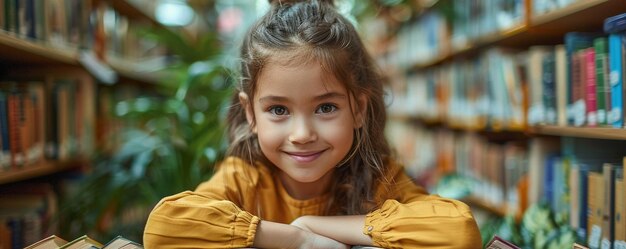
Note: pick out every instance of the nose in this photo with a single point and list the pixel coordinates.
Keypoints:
(302, 131)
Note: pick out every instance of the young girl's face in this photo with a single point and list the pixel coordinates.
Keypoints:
(304, 121)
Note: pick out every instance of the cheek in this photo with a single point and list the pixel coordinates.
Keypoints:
(270, 134)
(339, 133)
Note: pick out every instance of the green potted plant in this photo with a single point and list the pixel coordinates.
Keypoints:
(180, 137)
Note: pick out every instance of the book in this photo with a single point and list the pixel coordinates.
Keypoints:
(82, 242)
(608, 224)
(579, 246)
(51, 242)
(615, 26)
(595, 198)
(603, 89)
(574, 42)
(536, 58)
(499, 243)
(578, 196)
(561, 84)
(620, 210)
(549, 87)
(590, 86)
(121, 242)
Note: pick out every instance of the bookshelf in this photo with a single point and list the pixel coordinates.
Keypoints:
(20, 50)
(548, 28)
(41, 169)
(51, 102)
(472, 108)
(582, 132)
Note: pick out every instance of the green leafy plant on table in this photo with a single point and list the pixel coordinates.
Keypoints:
(179, 138)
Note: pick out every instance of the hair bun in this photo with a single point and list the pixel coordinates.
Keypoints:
(279, 2)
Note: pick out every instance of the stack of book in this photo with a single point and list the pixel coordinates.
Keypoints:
(84, 242)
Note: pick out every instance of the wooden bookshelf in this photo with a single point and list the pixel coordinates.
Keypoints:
(36, 170)
(583, 132)
(130, 72)
(550, 130)
(562, 20)
(15, 49)
(132, 11)
(548, 28)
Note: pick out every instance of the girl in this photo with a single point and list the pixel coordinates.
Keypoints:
(308, 163)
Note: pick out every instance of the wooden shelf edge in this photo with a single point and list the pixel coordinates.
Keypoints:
(132, 11)
(42, 168)
(568, 10)
(129, 71)
(607, 133)
(42, 52)
(582, 132)
(17, 49)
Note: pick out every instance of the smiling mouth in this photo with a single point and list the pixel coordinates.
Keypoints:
(305, 157)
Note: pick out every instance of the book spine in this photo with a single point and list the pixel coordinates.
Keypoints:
(595, 198)
(602, 85)
(14, 130)
(590, 93)
(608, 173)
(549, 88)
(579, 105)
(4, 131)
(619, 220)
(615, 66)
(561, 84)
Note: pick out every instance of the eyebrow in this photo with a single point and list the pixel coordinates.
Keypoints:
(330, 95)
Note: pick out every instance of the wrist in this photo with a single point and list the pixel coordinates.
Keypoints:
(268, 232)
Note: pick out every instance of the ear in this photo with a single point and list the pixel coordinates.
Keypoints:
(245, 103)
(361, 111)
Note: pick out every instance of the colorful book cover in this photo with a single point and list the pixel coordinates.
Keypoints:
(615, 76)
(575, 41)
(620, 209)
(590, 82)
(603, 90)
(608, 224)
(561, 84)
(595, 198)
(616, 27)
(549, 87)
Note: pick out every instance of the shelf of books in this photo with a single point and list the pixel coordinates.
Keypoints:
(54, 55)
(550, 72)
(519, 30)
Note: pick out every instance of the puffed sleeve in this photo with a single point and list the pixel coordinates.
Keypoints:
(414, 219)
(209, 217)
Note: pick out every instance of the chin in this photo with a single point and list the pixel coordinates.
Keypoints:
(305, 178)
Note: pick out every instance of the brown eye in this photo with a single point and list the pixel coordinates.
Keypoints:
(326, 108)
(278, 110)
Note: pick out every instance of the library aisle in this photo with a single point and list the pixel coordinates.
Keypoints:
(516, 108)
(95, 99)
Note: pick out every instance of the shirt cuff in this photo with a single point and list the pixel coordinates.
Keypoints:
(375, 225)
(245, 228)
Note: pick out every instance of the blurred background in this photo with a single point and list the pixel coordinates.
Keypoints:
(512, 106)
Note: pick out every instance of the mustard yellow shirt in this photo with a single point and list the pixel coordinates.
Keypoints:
(224, 212)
